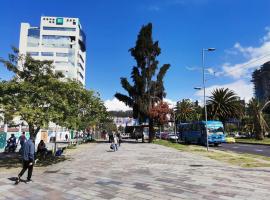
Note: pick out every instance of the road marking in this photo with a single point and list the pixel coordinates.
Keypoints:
(235, 147)
(258, 150)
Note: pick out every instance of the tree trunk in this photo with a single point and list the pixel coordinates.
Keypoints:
(151, 131)
(32, 131)
(258, 130)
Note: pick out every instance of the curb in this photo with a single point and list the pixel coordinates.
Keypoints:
(252, 143)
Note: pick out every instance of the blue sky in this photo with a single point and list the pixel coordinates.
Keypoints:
(237, 29)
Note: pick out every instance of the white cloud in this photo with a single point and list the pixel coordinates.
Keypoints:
(242, 88)
(170, 102)
(255, 57)
(115, 105)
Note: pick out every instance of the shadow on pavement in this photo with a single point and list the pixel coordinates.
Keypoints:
(15, 179)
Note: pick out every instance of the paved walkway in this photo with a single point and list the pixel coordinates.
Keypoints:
(139, 171)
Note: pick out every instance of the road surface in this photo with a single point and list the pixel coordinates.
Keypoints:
(263, 150)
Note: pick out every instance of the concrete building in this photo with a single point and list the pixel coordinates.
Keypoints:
(124, 121)
(261, 80)
(59, 39)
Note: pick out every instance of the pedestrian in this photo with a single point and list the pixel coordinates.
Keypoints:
(110, 136)
(28, 159)
(41, 149)
(119, 138)
(22, 140)
(66, 137)
(115, 142)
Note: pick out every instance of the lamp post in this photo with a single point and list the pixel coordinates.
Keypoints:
(204, 99)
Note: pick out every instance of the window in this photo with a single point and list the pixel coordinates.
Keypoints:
(58, 28)
(62, 54)
(33, 37)
(32, 53)
(56, 41)
(61, 62)
(47, 53)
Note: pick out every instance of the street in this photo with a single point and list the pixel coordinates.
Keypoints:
(263, 150)
(138, 171)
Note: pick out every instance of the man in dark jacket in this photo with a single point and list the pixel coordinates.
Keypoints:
(28, 159)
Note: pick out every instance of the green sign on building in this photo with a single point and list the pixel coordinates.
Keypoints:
(59, 21)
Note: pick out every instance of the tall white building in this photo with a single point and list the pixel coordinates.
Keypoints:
(59, 39)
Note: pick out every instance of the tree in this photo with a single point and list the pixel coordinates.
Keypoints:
(255, 111)
(31, 92)
(145, 91)
(224, 104)
(159, 113)
(187, 111)
(38, 96)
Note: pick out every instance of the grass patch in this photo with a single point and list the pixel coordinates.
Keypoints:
(242, 160)
(14, 160)
(253, 141)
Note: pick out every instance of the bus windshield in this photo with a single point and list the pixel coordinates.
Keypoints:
(217, 130)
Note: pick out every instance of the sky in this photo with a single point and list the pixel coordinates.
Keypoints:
(239, 30)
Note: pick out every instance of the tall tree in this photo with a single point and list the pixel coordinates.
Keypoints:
(224, 104)
(145, 90)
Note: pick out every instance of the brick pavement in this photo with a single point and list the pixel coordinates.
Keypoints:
(139, 171)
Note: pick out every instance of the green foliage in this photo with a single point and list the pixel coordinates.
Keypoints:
(145, 91)
(108, 125)
(187, 111)
(38, 95)
(224, 104)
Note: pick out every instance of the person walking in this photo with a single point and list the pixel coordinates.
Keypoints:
(119, 137)
(22, 140)
(28, 159)
(115, 141)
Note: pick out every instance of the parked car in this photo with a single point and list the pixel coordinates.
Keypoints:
(164, 135)
(157, 135)
(172, 137)
(230, 140)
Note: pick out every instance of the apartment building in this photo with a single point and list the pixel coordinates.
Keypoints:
(59, 39)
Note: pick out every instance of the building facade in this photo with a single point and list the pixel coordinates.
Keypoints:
(59, 39)
(261, 80)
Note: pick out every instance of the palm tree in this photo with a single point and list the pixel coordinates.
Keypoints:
(224, 104)
(255, 110)
(185, 111)
(145, 91)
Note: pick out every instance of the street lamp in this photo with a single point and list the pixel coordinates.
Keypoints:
(204, 100)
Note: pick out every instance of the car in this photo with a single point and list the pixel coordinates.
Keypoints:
(172, 137)
(157, 135)
(164, 135)
(230, 140)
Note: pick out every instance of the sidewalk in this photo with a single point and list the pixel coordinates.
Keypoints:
(139, 171)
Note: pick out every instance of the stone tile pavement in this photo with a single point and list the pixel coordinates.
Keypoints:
(139, 171)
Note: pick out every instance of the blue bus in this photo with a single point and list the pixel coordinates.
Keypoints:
(194, 132)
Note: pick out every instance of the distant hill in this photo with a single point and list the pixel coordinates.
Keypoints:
(127, 113)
